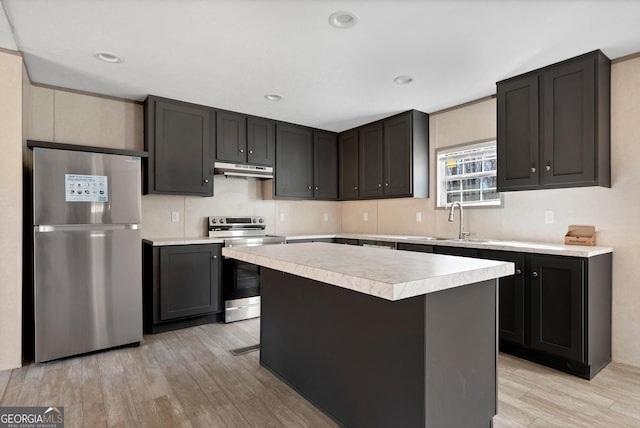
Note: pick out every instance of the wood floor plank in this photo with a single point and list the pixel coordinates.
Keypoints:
(188, 378)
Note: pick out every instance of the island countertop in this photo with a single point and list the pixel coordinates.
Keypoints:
(388, 274)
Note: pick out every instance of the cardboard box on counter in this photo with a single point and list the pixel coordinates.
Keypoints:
(580, 235)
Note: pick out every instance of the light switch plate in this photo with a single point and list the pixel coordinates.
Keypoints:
(418, 217)
(175, 216)
(325, 216)
(365, 216)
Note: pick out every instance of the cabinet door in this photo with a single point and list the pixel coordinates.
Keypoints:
(518, 133)
(325, 165)
(180, 148)
(294, 162)
(189, 281)
(511, 296)
(261, 141)
(456, 251)
(231, 137)
(397, 156)
(568, 152)
(370, 161)
(421, 248)
(557, 294)
(348, 164)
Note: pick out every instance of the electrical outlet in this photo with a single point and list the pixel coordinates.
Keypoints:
(281, 217)
(175, 216)
(365, 216)
(549, 217)
(325, 216)
(418, 217)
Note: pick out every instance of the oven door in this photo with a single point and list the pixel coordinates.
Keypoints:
(240, 279)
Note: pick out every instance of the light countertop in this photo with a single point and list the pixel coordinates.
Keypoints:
(391, 275)
(483, 244)
(487, 244)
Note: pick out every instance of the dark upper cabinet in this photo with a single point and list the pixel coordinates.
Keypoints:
(231, 137)
(348, 165)
(306, 163)
(261, 141)
(511, 296)
(244, 139)
(370, 151)
(397, 150)
(518, 142)
(554, 125)
(325, 165)
(393, 158)
(294, 162)
(178, 137)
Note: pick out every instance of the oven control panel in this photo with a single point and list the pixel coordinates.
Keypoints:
(239, 222)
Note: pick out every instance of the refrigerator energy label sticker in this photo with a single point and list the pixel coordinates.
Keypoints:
(86, 188)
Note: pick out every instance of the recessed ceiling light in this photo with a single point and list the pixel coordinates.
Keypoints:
(273, 97)
(343, 19)
(403, 80)
(107, 57)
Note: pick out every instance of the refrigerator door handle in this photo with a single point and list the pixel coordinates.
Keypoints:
(79, 227)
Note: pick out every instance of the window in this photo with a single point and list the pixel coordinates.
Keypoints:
(468, 174)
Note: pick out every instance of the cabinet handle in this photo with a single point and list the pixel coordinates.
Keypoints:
(214, 257)
(206, 180)
(250, 152)
(316, 187)
(535, 274)
(379, 185)
(533, 169)
(241, 150)
(355, 187)
(548, 167)
(386, 184)
(518, 271)
(309, 187)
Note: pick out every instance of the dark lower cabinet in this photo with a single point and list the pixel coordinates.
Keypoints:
(555, 310)
(421, 248)
(511, 296)
(302, 241)
(182, 286)
(346, 241)
(456, 251)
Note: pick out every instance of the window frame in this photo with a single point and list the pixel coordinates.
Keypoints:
(440, 175)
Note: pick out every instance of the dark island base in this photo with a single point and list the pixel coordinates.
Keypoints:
(426, 361)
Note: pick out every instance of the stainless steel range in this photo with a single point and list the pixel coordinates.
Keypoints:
(241, 280)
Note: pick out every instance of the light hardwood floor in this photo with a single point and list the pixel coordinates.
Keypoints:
(188, 378)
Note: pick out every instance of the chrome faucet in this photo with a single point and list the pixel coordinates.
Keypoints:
(462, 234)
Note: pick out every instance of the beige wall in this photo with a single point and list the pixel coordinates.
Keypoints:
(57, 115)
(11, 210)
(614, 212)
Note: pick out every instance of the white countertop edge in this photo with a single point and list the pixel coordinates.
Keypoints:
(488, 244)
(163, 242)
(384, 290)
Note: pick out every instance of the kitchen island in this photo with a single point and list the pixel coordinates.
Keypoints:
(381, 338)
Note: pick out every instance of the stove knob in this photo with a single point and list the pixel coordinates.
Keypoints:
(221, 220)
(254, 220)
(261, 220)
(214, 221)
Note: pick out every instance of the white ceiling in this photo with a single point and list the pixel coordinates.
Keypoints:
(230, 53)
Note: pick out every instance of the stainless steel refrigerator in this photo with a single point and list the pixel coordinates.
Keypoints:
(87, 285)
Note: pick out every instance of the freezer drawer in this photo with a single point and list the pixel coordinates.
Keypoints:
(87, 289)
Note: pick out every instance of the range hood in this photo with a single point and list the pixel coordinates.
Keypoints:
(242, 170)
